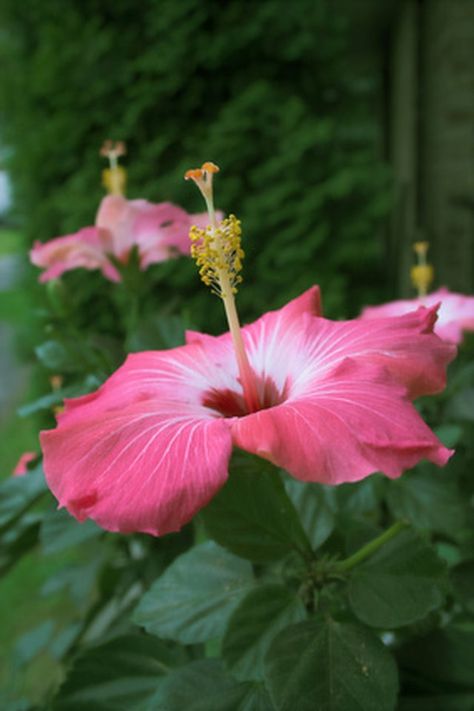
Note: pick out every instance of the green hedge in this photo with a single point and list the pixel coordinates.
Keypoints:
(268, 90)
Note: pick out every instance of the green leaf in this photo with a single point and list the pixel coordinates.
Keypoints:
(57, 396)
(18, 540)
(60, 530)
(253, 516)
(17, 494)
(256, 621)
(444, 655)
(462, 578)
(402, 582)
(33, 642)
(461, 406)
(118, 675)
(456, 701)
(358, 498)
(194, 598)
(53, 355)
(205, 686)
(429, 500)
(324, 664)
(316, 508)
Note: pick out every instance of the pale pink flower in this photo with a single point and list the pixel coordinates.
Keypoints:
(83, 249)
(455, 313)
(152, 445)
(159, 232)
(22, 464)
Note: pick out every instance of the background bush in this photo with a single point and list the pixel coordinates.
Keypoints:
(267, 90)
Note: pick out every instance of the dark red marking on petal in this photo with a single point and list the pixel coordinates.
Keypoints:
(229, 403)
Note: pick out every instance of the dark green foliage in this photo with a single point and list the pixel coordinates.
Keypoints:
(325, 664)
(253, 607)
(272, 95)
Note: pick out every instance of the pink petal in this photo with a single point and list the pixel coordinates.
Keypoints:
(404, 345)
(141, 454)
(353, 423)
(84, 249)
(22, 464)
(455, 313)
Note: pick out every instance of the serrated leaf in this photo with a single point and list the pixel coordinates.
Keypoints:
(428, 501)
(399, 584)
(60, 530)
(194, 598)
(118, 675)
(253, 516)
(316, 507)
(323, 664)
(254, 624)
(205, 686)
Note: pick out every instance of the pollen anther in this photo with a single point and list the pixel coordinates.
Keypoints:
(218, 252)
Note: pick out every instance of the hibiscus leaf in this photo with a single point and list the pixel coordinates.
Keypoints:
(60, 530)
(18, 494)
(455, 701)
(205, 686)
(429, 501)
(316, 506)
(253, 516)
(443, 656)
(256, 621)
(118, 675)
(399, 584)
(194, 598)
(324, 664)
(462, 579)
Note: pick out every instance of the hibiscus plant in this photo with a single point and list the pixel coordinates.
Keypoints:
(269, 519)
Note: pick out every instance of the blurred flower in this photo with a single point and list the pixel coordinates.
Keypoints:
(159, 232)
(455, 313)
(152, 445)
(22, 464)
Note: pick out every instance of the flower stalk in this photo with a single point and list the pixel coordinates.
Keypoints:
(218, 254)
(369, 549)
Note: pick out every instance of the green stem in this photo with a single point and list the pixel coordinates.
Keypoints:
(369, 549)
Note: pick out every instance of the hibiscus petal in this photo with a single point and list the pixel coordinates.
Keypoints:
(83, 249)
(404, 345)
(455, 312)
(141, 454)
(355, 422)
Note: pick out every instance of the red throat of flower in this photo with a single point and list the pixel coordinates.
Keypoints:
(218, 254)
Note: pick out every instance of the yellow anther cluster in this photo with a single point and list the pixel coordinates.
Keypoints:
(114, 180)
(218, 254)
(422, 274)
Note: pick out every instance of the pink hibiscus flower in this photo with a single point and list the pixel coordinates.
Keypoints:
(455, 313)
(159, 231)
(152, 445)
(22, 464)
(328, 401)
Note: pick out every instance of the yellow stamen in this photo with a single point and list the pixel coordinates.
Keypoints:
(114, 178)
(422, 274)
(217, 250)
(218, 254)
